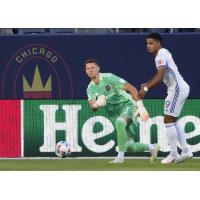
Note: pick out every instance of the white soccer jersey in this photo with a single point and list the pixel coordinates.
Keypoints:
(178, 89)
(172, 77)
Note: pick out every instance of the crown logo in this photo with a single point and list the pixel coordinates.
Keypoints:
(37, 90)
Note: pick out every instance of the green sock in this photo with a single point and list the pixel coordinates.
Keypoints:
(137, 147)
(121, 134)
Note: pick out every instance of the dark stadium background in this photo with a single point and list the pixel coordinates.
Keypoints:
(122, 53)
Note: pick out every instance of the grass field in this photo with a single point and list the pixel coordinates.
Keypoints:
(94, 165)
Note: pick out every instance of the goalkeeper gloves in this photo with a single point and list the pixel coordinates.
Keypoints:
(141, 111)
(101, 101)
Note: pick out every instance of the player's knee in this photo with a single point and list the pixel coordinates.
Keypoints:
(169, 119)
(120, 122)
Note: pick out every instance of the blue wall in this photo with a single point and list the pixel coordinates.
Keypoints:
(124, 55)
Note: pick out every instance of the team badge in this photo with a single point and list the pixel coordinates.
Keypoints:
(107, 87)
(36, 71)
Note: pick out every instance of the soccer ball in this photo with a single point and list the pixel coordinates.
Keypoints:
(63, 149)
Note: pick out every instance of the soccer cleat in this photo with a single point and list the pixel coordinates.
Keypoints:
(170, 159)
(184, 156)
(117, 160)
(154, 153)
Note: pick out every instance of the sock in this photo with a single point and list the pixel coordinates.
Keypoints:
(151, 147)
(182, 138)
(121, 134)
(120, 154)
(137, 147)
(172, 138)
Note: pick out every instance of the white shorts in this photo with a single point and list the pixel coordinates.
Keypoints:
(175, 100)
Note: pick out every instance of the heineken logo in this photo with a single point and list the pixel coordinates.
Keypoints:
(39, 124)
(72, 121)
(89, 137)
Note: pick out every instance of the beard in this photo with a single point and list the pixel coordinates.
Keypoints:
(93, 77)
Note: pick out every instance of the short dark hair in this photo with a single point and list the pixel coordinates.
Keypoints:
(91, 60)
(155, 36)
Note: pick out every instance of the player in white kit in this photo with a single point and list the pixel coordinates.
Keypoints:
(178, 91)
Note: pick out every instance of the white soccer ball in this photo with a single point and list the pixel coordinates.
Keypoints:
(63, 149)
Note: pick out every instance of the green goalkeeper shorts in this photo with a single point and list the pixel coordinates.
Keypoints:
(128, 112)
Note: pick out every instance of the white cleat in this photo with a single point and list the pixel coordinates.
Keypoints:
(170, 159)
(154, 153)
(117, 160)
(184, 156)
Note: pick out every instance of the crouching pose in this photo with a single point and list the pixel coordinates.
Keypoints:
(122, 104)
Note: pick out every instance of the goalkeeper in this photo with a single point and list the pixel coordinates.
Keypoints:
(106, 89)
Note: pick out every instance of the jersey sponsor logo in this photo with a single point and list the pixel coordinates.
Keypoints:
(36, 71)
(160, 62)
(107, 87)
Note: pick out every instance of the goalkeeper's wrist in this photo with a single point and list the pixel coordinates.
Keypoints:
(139, 104)
(95, 105)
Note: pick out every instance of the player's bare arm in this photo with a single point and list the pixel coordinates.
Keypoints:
(144, 84)
(156, 80)
(132, 90)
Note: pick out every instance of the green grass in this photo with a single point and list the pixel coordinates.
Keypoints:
(94, 165)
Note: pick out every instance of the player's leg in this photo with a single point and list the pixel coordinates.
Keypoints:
(170, 119)
(122, 137)
(186, 153)
(120, 125)
(171, 131)
(141, 147)
(131, 145)
(123, 126)
(181, 136)
(131, 132)
(173, 106)
(131, 128)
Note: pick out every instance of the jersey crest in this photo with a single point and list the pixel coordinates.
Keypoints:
(107, 87)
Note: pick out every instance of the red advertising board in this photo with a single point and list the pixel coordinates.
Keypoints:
(10, 128)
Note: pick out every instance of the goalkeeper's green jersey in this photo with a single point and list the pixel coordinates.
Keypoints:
(112, 87)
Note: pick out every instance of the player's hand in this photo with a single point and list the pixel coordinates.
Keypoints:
(144, 115)
(101, 101)
(141, 93)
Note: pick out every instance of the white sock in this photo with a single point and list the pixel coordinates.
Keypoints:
(172, 138)
(120, 154)
(151, 147)
(182, 138)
